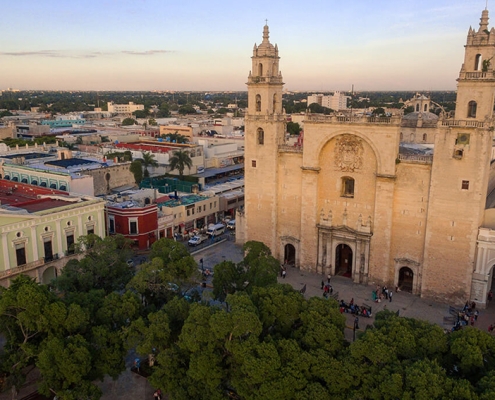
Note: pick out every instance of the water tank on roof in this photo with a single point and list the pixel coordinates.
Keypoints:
(160, 139)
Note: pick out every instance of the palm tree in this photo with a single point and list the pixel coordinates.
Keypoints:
(148, 161)
(179, 161)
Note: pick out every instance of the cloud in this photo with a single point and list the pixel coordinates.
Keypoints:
(146, 52)
(47, 53)
(93, 54)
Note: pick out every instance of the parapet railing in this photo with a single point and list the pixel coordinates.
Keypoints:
(463, 123)
(22, 268)
(413, 158)
(477, 75)
(352, 119)
(287, 148)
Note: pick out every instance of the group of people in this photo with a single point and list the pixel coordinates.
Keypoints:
(157, 395)
(352, 308)
(326, 287)
(467, 316)
(382, 294)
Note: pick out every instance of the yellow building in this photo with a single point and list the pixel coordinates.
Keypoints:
(353, 201)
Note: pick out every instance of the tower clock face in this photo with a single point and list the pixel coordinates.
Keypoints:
(463, 138)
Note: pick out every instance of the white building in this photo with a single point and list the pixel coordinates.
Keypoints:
(336, 102)
(124, 108)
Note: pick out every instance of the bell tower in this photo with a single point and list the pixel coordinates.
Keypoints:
(265, 124)
(476, 82)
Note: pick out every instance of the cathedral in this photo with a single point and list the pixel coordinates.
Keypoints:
(402, 201)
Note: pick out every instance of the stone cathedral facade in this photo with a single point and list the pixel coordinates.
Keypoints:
(352, 200)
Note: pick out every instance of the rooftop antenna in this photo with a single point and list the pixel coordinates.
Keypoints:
(486, 7)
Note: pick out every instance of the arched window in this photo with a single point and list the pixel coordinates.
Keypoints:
(260, 69)
(472, 106)
(425, 137)
(417, 107)
(347, 187)
(258, 102)
(401, 137)
(260, 136)
(426, 108)
(274, 102)
(477, 62)
(411, 137)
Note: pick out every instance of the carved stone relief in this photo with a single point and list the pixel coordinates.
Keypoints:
(349, 153)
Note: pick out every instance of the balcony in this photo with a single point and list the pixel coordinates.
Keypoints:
(478, 75)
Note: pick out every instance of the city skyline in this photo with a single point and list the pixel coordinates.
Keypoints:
(148, 45)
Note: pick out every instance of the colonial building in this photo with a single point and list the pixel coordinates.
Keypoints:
(352, 201)
(39, 227)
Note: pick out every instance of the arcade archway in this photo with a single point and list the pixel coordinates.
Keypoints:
(343, 260)
(406, 278)
(48, 275)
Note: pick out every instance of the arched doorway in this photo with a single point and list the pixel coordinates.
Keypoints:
(290, 255)
(406, 277)
(343, 260)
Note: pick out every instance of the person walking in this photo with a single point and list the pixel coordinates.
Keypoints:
(328, 278)
(284, 273)
(390, 296)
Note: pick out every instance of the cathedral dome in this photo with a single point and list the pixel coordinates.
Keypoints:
(412, 119)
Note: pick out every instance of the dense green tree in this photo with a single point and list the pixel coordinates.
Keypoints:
(379, 111)
(293, 128)
(187, 109)
(179, 161)
(141, 113)
(317, 109)
(137, 170)
(103, 267)
(129, 121)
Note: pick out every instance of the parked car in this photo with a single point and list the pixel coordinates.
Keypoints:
(215, 230)
(231, 224)
(198, 239)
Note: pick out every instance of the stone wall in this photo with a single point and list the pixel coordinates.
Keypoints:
(106, 179)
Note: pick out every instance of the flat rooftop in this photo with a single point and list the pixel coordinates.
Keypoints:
(31, 198)
(28, 156)
(70, 162)
(183, 201)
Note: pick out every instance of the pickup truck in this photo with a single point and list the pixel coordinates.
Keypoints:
(198, 239)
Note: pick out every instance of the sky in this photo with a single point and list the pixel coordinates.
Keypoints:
(194, 45)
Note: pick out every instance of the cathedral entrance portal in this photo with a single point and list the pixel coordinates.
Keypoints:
(406, 277)
(343, 260)
(290, 255)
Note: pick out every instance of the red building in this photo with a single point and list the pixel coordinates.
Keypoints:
(138, 222)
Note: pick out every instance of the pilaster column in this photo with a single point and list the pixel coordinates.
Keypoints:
(5, 249)
(34, 241)
(309, 231)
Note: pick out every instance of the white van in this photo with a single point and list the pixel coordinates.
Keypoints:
(216, 230)
(231, 224)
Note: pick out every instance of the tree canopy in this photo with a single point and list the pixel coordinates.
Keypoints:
(129, 121)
